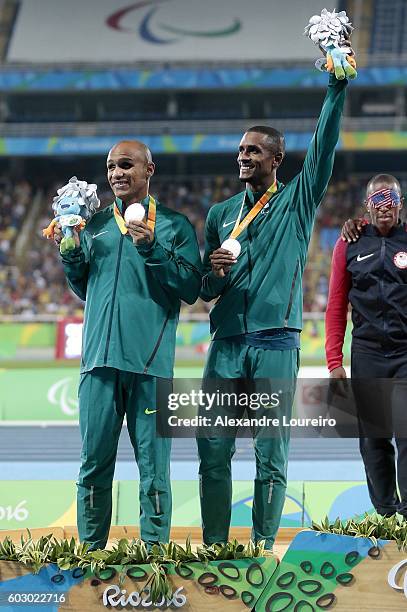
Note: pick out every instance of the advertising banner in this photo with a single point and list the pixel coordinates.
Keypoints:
(39, 394)
(186, 405)
(64, 338)
(187, 78)
(22, 503)
(161, 30)
(23, 337)
(193, 143)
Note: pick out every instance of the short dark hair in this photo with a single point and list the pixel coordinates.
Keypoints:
(275, 138)
(385, 179)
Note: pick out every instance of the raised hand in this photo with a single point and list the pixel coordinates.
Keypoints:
(340, 63)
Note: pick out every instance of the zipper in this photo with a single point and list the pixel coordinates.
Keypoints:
(91, 497)
(155, 349)
(109, 329)
(381, 284)
(246, 298)
(157, 502)
(270, 492)
(290, 301)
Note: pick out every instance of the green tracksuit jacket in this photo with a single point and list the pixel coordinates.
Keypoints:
(133, 294)
(263, 289)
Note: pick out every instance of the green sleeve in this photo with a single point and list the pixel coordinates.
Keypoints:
(212, 285)
(76, 267)
(178, 270)
(313, 180)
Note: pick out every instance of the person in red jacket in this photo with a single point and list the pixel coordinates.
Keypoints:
(369, 271)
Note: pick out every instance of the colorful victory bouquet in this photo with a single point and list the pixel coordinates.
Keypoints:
(331, 31)
(73, 207)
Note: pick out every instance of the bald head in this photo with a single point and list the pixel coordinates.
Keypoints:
(383, 181)
(129, 169)
(133, 147)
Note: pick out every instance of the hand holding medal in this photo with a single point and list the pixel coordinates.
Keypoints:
(233, 246)
(138, 229)
(133, 223)
(140, 232)
(221, 261)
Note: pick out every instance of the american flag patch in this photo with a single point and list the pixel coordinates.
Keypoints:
(384, 197)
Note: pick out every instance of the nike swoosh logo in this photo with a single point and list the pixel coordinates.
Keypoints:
(100, 234)
(230, 223)
(360, 258)
(148, 411)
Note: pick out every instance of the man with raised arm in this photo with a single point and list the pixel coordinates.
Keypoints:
(257, 318)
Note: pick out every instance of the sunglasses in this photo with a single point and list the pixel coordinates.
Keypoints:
(384, 197)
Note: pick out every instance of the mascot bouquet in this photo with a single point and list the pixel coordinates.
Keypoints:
(73, 207)
(331, 31)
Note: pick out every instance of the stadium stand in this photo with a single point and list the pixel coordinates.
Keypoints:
(37, 286)
(389, 28)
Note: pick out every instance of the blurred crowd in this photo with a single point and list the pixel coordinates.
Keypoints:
(14, 201)
(344, 199)
(31, 277)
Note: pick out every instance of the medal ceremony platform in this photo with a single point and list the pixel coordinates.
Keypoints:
(40, 443)
(39, 461)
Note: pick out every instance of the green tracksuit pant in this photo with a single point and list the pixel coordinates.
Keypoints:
(106, 395)
(233, 360)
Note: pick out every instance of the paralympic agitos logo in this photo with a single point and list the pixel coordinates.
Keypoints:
(393, 575)
(161, 33)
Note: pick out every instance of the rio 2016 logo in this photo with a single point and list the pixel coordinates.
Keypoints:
(18, 513)
(145, 28)
(114, 596)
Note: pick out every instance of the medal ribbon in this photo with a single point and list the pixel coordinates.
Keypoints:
(151, 216)
(241, 225)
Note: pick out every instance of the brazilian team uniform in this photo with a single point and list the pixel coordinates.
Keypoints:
(133, 296)
(256, 321)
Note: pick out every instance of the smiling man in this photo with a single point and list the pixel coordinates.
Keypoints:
(133, 278)
(370, 273)
(257, 319)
